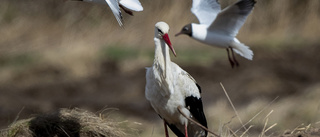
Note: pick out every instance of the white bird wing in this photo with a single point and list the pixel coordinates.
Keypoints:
(134, 5)
(193, 101)
(205, 10)
(185, 82)
(230, 20)
(114, 6)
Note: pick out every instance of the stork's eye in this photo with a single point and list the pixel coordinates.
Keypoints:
(160, 31)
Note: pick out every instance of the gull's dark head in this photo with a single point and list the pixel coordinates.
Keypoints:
(187, 30)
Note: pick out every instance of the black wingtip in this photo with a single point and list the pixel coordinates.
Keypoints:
(246, 3)
(196, 108)
(175, 130)
(245, 6)
(218, 1)
(199, 87)
(126, 10)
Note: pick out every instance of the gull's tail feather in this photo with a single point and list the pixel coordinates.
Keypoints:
(242, 49)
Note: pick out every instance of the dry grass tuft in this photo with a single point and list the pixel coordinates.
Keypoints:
(302, 131)
(19, 128)
(67, 122)
(227, 131)
(269, 124)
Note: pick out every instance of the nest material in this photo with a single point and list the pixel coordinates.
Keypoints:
(66, 123)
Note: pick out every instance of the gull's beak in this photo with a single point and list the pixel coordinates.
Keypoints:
(167, 40)
(178, 34)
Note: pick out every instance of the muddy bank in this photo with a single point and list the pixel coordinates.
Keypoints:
(272, 73)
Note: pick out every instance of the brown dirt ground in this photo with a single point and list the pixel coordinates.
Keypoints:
(270, 74)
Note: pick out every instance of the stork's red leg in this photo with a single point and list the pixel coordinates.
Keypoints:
(185, 130)
(165, 128)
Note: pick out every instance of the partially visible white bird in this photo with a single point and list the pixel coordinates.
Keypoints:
(169, 88)
(219, 28)
(115, 5)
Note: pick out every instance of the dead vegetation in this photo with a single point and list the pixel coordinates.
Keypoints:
(67, 123)
(50, 58)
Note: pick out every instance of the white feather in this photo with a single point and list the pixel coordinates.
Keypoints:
(231, 19)
(114, 6)
(242, 49)
(134, 5)
(205, 10)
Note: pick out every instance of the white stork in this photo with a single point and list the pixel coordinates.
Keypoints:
(219, 28)
(115, 5)
(168, 87)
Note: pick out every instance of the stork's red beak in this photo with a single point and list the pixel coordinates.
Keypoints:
(167, 40)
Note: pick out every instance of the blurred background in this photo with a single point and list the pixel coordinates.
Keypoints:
(56, 54)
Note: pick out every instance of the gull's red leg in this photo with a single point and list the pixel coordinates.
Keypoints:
(234, 58)
(230, 60)
(165, 128)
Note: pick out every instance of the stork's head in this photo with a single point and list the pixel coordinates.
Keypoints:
(161, 32)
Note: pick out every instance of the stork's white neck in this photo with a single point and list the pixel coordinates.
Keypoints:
(162, 55)
(162, 64)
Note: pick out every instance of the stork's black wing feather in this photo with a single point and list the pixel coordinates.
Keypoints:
(196, 109)
(176, 131)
